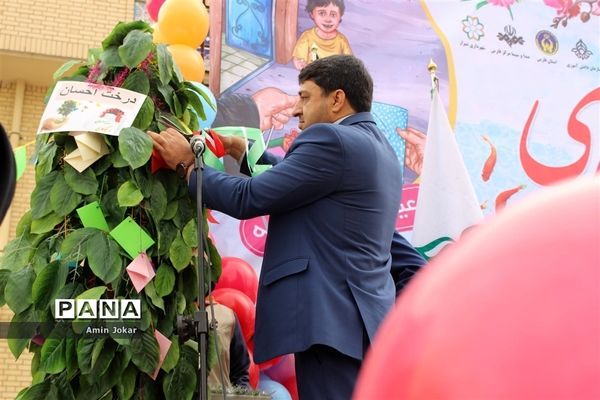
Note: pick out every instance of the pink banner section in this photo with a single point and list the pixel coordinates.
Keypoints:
(408, 206)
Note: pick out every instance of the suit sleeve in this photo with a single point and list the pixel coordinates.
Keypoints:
(239, 359)
(406, 262)
(312, 169)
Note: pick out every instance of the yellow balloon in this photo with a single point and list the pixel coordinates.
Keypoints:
(183, 22)
(157, 36)
(189, 61)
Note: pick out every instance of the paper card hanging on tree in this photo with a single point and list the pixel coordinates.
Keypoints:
(90, 148)
(131, 237)
(163, 348)
(91, 216)
(82, 106)
(140, 271)
(20, 160)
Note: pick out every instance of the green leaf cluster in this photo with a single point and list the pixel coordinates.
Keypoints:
(54, 256)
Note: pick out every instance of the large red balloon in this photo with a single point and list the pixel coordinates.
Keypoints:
(238, 274)
(512, 312)
(244, 308)
(253, 372)
(283, 370)
(153, 6)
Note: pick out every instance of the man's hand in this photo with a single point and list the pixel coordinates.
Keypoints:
(173, 147)
(235, 146)
(415, 148)
(274, 107)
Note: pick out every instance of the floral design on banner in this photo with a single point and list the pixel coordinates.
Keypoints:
(500, 3)
(473, 28)
(546, 42)
(510, 36)
(569, 9)
(581, 50)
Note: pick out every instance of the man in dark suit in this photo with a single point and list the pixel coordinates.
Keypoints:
(325, 282)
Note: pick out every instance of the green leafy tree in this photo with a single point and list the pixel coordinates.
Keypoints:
(54, 256)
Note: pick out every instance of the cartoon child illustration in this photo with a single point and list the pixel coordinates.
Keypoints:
(324, 39)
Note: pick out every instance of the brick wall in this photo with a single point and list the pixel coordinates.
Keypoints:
(57, 29)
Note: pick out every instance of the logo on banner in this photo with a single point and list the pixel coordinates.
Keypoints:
(253, 233)
(97, 309)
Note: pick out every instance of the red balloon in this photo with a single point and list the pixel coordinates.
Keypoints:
(270, 363)
(283, 370)
(253, 372)
(244, 308)
(238, 274)
(511, 312)
(292, 387)
(153, 6)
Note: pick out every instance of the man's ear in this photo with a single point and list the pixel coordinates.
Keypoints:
(338, 99)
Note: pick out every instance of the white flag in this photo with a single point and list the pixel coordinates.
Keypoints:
(447, 203)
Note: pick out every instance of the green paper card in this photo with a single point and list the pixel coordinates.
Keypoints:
(91, 216)
(131, 237)
(20, 160)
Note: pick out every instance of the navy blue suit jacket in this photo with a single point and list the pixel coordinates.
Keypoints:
(332, 202)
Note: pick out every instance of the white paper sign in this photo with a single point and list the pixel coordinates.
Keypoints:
(81, 106)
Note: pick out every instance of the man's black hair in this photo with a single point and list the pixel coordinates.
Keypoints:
(312, 4)
(344, 72)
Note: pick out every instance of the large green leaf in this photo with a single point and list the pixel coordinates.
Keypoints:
(164, 281)
(103, 256)
(85, 346)
(129, 195)
(16, 254)
(144, 351)
(150, 291)
(19, 334)
(4, 273)
(158, 200)
(165, 64)
(172, 357)
(40, 206)
(135, 48)
(180, 383)
(64, 68)
(46, 223)
(114, 212)
(171, 210)
(53, 359)
(126, 386)
(185, 212)
(144, 118)
(74, 245)
(45, 161)
(138, 82)
(62, 197)
(111, 58)
(121, 30)
(190, 234)
(167, 93)
(83, 183)
(17, 292)
(194, 99)
(180, 253)
(48, 283)
(92, 294)
(135, 146)
(102, 355)
(40, 391)
(167, 232)
(71, 355)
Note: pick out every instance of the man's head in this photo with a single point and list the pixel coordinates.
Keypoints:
(326, 14)
(331, 88)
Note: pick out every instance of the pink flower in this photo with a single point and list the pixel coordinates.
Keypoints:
(561, 5)
(596, 8)
(502, 3)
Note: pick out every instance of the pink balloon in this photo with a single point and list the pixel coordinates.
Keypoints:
(511, 312)
(238, 274)
(153, 6)
(244, 308)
